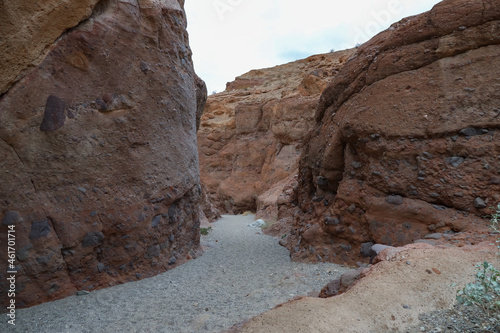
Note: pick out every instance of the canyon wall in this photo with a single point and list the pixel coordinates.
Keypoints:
(408, 139)
(99, 163)
(252, 134)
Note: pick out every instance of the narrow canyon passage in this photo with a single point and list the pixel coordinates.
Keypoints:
(241, 274)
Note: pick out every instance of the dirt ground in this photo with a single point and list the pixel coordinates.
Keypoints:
(411, 280)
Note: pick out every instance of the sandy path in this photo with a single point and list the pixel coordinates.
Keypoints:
(242, 274)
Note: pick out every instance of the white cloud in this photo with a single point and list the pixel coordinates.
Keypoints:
(231, 37)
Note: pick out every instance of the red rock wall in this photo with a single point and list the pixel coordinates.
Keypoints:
(98, 151)
(252, 134)
(408, 139)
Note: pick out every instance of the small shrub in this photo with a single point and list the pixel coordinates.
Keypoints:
(495, 219)
(205, 231)
(485, 291)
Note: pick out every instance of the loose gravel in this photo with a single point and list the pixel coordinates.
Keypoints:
(460, 319)
(241, 274)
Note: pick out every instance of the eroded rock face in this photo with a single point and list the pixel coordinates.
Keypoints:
(29, 28)
(408, 138)
(252, 135)
(98, 148)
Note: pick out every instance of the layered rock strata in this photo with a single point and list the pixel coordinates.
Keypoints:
(252, 134)
(98, 122)
(408, 139)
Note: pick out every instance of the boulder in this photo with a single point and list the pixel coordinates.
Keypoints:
(98, 116)
(406, 140)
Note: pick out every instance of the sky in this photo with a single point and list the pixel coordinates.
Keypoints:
(231, 37)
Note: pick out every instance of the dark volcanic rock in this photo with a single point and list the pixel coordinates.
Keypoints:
(54, 115)
(97, 140)
(39, 229)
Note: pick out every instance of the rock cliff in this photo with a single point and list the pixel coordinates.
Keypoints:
(99, 163)
(252, 134)
(407, 144)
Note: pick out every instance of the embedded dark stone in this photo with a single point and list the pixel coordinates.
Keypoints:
(332, 220)
(322, 183)
(43, 260)
(172, 213)
(23, 253)
(92, 238)
(346, 247)
(394, 200)
(154, 251)
(101, 105)
(455, 161)
(495, 181)
(356, 165)
(10, 218)
(351, 209)
(144, 67)
(54, 116)
(479, 203)
(366, 250)
(156, 221)
(101, 267)
(39, 229)
(428, 155)
(471, 131)
(172, 261)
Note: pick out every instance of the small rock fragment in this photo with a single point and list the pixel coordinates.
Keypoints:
(10, 218)
(479, 203)
(455, 161)
(39, 229)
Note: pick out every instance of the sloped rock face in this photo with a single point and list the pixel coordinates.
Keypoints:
(29, 28)
(252, 135)
(408, 139)
(98, 151)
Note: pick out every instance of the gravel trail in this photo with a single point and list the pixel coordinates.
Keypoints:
(241, 274)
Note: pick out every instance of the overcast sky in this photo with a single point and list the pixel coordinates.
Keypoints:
(232, 37)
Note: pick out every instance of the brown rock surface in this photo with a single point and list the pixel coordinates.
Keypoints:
(408, 139)
(252, 135)
(388, 298)
(29, 28)
(98, 145)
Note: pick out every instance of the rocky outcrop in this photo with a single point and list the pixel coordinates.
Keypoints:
(252, 135)
(99, 161)
(408, 138)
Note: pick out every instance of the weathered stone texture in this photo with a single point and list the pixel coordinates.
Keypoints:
(98, 147)
(408, 139)
(29, 28)
(252, 134)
